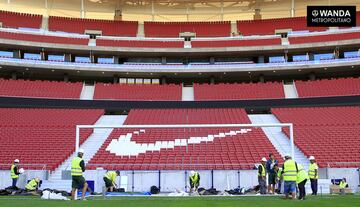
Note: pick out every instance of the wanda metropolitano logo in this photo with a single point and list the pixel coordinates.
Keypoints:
(331, 16)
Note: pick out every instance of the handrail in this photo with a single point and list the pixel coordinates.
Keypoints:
(26, 166)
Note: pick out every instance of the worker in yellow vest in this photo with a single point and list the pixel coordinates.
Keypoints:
(14, 172)
(78, 180)
(313, 175)
(302, 178)
(194, 180)
(32, 184)
(262, 176)
(289, 174)
(110, 180)
(279, 178)
(343, 185)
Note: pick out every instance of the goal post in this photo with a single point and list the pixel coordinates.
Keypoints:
(290, 125)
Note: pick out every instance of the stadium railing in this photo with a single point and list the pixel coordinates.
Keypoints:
(25, 166)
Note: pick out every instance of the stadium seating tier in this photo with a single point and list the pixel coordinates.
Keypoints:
(238, 91)
(40, 89)
(333, 87)
(227, 150)
(42, 136)
(138, 92)
(331, 134)
(107, 27)
(19, 20)
(172, 29)
(44, 38)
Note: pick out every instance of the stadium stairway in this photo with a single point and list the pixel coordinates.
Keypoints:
(187, 93)
(290, 90)
(87, 92)
(280, 141)
(140, 30)
(234, 29)
(45, 23)
(91, 146)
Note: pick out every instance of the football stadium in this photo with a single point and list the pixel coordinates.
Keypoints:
(179, 103)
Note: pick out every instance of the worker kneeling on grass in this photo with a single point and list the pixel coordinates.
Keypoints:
(194, 180)
(110, 180)
(33, 184)
(343, 185)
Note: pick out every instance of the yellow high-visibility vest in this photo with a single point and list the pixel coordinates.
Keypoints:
(195, 178)
(31, 185)
(76, 169)
(279, 173)
(302, 175)
(342, 185)
(312, 169)
(12, 172)
(263, 171)
(111, 175)
(290, 173)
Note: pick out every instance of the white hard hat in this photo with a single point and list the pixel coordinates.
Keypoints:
(192, 172)
(17, 160)
(311, 158)
(263, 159)
(287, 155)
(81, 151)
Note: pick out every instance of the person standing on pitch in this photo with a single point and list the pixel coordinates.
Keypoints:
(279, 179)
(313, 175)
(289, 173)
(262, 176)
(77, 169)
(110, 180)
(194, 180)
(271, 173)
(14, 172)
(302, 178)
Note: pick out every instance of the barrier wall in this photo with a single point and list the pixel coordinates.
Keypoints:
(6, 181)
(171, 180)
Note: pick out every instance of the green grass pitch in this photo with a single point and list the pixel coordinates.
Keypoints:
(319, 201)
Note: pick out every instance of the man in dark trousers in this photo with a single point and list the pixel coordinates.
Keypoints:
(262, 176)
(77, 169)
(270, 164)
(313, 175)
(302, 177)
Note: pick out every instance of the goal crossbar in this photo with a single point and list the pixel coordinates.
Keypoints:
(290, 125)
